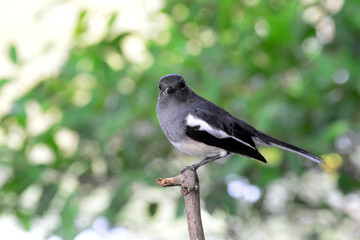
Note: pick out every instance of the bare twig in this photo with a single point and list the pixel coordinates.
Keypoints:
(190, 189)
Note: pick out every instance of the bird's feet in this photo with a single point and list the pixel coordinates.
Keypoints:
(193, 167)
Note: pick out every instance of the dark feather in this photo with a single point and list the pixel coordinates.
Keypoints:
(222, 120)
(228, 144)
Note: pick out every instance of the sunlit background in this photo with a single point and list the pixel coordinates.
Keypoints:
(80, 146)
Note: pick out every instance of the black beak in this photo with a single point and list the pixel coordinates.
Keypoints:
(169, 90)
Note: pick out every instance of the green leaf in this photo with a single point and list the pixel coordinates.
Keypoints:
(152, 209)
(22, 179)
(13, 54)
(348, 183)
(3, 81)
(48, 194)
(112, 19)
(68, 215)
(336, 129)
(25, 219)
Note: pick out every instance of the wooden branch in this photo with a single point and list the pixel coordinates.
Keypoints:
(190, 189)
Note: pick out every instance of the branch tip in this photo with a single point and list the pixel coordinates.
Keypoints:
(169, 182)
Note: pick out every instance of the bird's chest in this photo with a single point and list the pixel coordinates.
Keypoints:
(172, 122)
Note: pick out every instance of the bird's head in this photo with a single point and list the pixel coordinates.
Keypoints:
(173, 85)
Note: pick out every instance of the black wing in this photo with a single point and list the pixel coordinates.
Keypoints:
(222, 131)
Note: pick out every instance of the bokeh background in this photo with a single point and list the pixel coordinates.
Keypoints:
(81, 148)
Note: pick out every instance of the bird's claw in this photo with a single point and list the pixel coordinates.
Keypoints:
(192, 168)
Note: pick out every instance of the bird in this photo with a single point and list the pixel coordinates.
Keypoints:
(200, 128)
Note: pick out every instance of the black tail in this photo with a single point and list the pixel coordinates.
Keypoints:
(289, 147)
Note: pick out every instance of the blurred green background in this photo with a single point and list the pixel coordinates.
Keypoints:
(81, 148)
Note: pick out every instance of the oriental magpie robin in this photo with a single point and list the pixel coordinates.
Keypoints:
(200, 128)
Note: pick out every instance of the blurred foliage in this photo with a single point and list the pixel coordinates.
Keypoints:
(261, 60)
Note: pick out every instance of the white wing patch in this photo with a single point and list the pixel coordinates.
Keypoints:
(193, 121)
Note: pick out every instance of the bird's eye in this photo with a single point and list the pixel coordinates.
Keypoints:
(160, 87)
(182, 84)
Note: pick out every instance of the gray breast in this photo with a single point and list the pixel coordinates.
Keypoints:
(172, 121)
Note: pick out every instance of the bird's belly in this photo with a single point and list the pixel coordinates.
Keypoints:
(199, 149)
